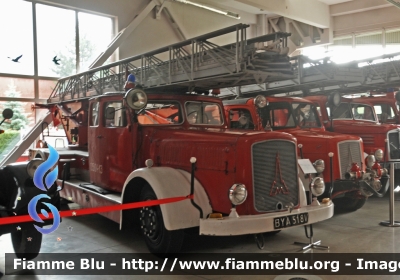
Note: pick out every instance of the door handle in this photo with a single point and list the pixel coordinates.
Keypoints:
(100, 136)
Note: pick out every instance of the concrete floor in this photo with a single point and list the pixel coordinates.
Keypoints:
(354, 232)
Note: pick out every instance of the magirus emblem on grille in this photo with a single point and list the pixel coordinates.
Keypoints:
(278, 185)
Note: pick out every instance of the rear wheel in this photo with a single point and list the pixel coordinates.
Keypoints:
(158, 239)
(26, 243)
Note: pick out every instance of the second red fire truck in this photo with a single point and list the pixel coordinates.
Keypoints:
(337, 158)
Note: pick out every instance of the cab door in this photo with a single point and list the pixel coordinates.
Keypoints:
(110, 143)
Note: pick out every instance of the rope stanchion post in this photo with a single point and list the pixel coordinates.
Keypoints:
(311, 244)
(391, 222)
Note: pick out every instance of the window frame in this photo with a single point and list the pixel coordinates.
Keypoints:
(36, 77)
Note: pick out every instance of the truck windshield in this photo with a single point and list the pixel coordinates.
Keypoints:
(354, 110)
(160, 113)
(203, 113)
(279, 115)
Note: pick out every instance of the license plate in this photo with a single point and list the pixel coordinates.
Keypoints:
(290, 221)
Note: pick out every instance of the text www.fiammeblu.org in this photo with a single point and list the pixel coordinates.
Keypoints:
(231, 264)
(286, 264)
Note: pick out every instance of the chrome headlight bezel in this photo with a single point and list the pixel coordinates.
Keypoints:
(260, 101)
(378, 154)
(317, 186)
(370, 160)
(237, 194)
(319, 165)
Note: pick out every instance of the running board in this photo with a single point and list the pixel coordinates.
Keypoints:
(24, 144)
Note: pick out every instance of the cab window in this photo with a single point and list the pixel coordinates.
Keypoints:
(241, 119)
(384, 110)
(160, 113)
(306, 115)
(94, 114)
(363, 112)
(203, 113)
(114, 114)
(342, 112)
(277, 115)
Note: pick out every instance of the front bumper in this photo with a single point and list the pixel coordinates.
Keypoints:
(252, 224)
(341, 187)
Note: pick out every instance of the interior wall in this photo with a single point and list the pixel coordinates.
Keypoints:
(155, 33)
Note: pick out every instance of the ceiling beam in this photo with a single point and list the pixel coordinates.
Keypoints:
(357, 6)
(312, 12)
(122, 35)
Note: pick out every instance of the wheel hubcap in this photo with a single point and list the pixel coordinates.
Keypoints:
(148, 222)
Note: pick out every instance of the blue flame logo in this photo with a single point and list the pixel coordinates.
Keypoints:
(49, 180)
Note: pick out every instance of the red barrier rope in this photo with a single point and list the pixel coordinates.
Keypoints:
(95, 210)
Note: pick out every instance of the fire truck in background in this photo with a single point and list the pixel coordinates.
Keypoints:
(385, 105)
(348, 116)
(165, 142)
(335, 156)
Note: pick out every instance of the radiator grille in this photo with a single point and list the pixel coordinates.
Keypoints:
(394, 145)
(349, 152)
(267, 169)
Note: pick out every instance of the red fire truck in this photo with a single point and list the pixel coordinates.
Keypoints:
(333, 154)
(166, 142)
(127, 150)
(385, 105)
(386, 109)
(348, 116)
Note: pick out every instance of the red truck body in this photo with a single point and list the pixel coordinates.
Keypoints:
(109, 165)
(356, 118)
(300, 118)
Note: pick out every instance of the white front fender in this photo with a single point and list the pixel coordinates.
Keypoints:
(169, 182)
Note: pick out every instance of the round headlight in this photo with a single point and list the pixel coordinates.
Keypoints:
(379, 155)
(260, 101)
(237, 194)
(370, 160)
(319, 165)
(32, 166)
(317, 186)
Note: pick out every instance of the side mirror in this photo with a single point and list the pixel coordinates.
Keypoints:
(397, 96)
(7, 114)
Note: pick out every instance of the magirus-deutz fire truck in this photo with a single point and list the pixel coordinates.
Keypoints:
(163, 141)
(335, 156)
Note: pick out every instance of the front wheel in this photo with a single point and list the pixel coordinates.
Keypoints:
(350, 204)
(26, 243)
(158, 239)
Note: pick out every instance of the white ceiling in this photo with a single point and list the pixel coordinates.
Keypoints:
(332, 2)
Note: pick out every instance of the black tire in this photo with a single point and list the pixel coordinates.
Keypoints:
(23, 247)
(349, 204)
(272, 233)
(158, 239)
